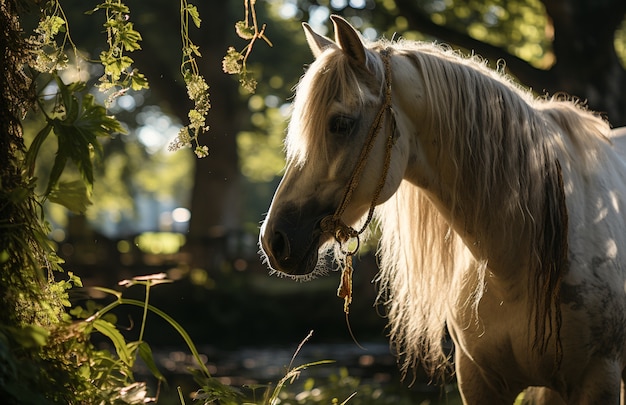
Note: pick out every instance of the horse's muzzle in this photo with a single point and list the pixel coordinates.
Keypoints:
(288, 250)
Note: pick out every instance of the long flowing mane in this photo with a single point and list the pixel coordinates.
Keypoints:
(507, 140)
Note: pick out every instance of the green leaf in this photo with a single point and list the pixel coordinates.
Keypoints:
(74, 279)
(146, 355)
(69, 100)
(243, 30)
(138, 81)
(130, 38)
(116, 338)
(195, 15)
(33, 149)
(57, 169)
(113, 66)
(76, 144)
(181, 331)
(94, 119)
(115, 293)
(77, 138)
(73, 195)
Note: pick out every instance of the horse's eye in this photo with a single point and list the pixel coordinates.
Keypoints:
(341, 125)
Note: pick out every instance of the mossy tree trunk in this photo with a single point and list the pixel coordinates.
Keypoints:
(34, 368)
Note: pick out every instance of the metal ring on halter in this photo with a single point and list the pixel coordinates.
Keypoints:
(356, 249)
(341, 232)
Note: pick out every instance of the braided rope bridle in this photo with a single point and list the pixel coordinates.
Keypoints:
(333, 224)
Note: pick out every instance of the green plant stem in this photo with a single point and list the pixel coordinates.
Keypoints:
(181, 331)
(180, 395)
(145, 312)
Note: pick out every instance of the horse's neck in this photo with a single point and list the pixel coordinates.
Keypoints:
(488, 241)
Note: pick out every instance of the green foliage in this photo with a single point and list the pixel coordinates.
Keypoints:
(112, 373)
(197, 89)
(122, 38)
(47, 357)
(77, 125)
(48, 56)
(236, 62)
(521, 26)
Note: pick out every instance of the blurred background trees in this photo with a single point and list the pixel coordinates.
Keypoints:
(569, 46)
(201, 216)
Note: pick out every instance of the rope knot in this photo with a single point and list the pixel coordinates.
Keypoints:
(338, 229)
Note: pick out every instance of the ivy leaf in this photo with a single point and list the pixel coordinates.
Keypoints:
(114, 67)
(138, 81)
(195, 15)
(244, 30)
(73, 195)
(130, 38)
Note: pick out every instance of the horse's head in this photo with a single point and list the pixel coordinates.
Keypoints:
(342, 102)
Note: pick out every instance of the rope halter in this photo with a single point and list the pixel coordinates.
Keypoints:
(333, 224)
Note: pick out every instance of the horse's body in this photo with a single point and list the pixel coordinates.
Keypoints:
(503, 217)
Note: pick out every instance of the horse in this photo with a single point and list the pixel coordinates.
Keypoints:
(502, 215)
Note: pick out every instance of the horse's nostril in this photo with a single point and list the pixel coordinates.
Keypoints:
(279, 245)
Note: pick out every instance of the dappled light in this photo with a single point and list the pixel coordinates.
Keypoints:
(160, 243)
(130, 155)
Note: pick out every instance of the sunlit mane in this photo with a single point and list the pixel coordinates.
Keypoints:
(330, 78)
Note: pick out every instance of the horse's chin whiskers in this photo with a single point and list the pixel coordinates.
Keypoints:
(318, 272)
(325, 264)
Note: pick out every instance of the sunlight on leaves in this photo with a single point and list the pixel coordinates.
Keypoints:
(236, 62)
(73, 195)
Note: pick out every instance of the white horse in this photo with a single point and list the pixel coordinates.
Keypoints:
(503, 216)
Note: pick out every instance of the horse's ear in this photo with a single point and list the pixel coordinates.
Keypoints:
(349, 40)
(318, 43)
